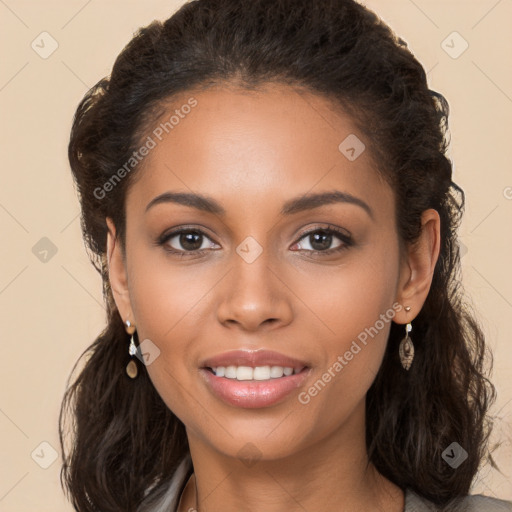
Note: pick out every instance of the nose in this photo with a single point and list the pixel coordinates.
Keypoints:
(254, 296)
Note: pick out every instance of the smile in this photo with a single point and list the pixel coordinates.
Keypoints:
(253, 387)
(256, 373)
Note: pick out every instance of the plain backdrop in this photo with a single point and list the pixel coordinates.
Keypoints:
(51, 306)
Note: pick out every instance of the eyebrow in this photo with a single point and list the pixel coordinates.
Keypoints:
(290, 207)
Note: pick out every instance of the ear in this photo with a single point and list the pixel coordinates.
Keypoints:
(417, 268)
(117, 274)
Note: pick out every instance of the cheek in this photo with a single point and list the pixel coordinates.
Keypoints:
(169, 303)
(351, 297)
(356, 303)
(166, 299)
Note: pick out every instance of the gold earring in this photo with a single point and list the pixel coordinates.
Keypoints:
(406, 347)
(131, 368)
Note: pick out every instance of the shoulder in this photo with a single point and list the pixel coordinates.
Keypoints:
(479, 502)
(470, 503)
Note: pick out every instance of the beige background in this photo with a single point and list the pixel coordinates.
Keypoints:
(51, 310)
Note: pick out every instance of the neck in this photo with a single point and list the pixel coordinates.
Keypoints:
(332, 474)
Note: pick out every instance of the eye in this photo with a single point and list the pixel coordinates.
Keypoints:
(320, 240)
(186, 241)
(193, 241)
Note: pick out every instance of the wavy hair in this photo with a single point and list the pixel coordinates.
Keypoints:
(120, 442)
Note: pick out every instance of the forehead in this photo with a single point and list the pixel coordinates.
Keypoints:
(255, 146)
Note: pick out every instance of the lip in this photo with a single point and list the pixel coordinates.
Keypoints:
(252, 358)
(258, 393)
(253, 394)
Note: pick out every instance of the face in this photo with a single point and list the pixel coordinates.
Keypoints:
(280, 280)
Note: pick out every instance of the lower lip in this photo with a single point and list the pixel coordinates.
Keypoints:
(252, 394)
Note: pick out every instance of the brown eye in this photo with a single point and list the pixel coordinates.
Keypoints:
(186, 241)
(321, 241)
(190, 241)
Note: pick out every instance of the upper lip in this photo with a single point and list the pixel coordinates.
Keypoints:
(252, 358)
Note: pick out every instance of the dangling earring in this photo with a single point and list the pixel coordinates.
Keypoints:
(406, 347)
(131, 368)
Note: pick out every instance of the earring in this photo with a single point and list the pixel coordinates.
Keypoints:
(131, 368)
(406, 347)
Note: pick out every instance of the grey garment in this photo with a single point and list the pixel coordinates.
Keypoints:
(413, 502)
(471, 503)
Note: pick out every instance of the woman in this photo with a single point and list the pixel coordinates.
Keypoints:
(265, 192)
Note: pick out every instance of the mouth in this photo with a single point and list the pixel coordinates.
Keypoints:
(253, 378)
(254, 386)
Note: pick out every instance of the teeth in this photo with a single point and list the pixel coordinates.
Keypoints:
(276, 372)
(261, 373)
(230, 372)
(257, 373)
(244, 373)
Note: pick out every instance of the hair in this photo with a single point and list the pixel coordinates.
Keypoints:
(122, 443)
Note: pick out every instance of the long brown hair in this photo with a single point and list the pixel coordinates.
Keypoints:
(121, 444)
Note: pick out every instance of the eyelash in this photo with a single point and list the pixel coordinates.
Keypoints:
(341, 235)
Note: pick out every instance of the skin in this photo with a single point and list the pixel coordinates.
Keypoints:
(252, 151)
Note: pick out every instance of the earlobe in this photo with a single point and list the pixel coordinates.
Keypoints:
(117, 273)
(418, 272)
